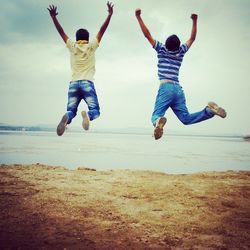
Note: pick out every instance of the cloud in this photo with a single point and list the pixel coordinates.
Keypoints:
(35, 69)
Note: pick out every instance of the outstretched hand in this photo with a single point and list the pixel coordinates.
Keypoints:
(194, 17)
(137, 12)
(110, 8)
(52, 11)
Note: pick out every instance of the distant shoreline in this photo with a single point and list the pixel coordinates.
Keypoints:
(23, 129)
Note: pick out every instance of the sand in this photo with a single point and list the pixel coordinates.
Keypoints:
(44, 207)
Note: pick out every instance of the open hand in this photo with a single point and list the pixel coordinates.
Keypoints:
(52, 11)
(137, 12)
(110, 8)
(194, 17)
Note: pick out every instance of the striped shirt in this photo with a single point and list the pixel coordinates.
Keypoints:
(169, 62)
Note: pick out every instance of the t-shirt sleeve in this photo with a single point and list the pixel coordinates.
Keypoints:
(70, 44)
(184, 48)
(94, 44)
(157, 45)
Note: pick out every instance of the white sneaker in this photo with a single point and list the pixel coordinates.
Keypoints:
(85, 122)
(217, 110)
(158, 132)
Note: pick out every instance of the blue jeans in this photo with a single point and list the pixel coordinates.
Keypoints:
(171, 95)
(78, 90)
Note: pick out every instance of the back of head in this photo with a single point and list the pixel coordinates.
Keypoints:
(82, 34)
(173, 43)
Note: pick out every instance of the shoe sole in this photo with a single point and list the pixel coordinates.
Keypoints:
(62, 125)
(158, 132)
(217, 110)
(85, 122)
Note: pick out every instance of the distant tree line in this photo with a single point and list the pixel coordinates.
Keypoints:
(24, 128)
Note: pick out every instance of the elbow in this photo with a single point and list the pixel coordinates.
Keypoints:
(192, 39)
(146, 34)
(102, 30)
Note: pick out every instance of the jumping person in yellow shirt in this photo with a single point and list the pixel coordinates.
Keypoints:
(82, 52)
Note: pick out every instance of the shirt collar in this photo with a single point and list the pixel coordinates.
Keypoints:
(82, 42)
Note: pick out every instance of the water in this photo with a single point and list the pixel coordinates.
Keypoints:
(171, 154)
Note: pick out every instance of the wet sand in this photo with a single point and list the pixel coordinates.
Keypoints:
(45, 207)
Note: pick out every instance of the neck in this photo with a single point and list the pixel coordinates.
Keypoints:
(82, 41)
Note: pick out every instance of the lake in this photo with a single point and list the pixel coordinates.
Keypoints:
(105, 151)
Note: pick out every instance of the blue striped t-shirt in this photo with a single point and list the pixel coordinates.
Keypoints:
(169, 62)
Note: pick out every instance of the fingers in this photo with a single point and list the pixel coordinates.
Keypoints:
(110, 8)
(52, 10)
(194, 16)
(52, 7)
(138, 12)
(110, 5)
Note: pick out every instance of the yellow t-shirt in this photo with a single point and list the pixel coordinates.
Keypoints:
(82, 58)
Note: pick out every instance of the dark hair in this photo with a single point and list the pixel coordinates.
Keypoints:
(82, 34)
(172, 43)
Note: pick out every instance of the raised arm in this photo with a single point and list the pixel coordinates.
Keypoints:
(106, 22)
(190, 41)
(53, 13)
(144, 27)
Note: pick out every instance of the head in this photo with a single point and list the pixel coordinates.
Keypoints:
(173, 43)
(82, 34)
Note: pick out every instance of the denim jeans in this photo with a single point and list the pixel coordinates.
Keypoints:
(171, 95)
(78, 90)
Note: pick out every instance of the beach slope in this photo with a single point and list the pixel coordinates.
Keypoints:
(44, 207)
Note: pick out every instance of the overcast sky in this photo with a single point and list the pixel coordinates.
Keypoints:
(35, 68)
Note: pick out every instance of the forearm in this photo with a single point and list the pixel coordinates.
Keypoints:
(60, 29)
(57, 25)
(194, 30)
(105, 25)
(145, 30)
(143, 27)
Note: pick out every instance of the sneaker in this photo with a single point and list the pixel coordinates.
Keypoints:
(217, 110)
(85, 122)
(158, 132)
(62, 125)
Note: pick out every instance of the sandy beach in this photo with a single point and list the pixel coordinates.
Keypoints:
(45, 207)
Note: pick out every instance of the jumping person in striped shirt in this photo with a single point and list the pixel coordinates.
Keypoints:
(170, 93)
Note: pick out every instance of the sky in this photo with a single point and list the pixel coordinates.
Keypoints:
(35, 67)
